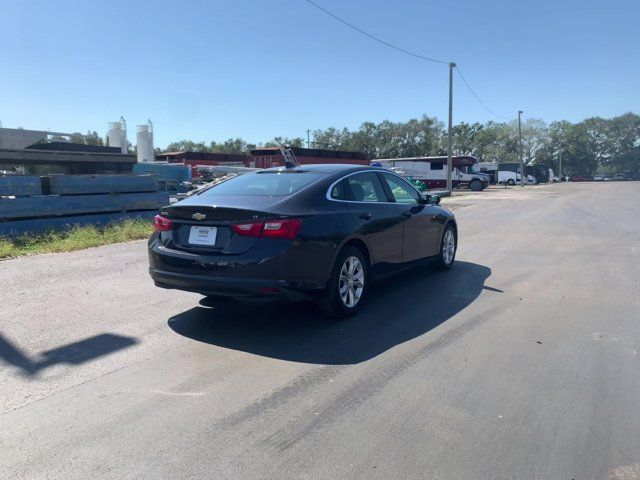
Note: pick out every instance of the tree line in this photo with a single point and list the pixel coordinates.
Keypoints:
(594, 145)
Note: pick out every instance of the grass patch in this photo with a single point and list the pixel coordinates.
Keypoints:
(76, 238)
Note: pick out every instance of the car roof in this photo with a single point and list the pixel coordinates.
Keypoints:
(324, 167)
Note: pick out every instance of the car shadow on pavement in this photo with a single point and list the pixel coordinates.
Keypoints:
(398, 309)
(71, 354)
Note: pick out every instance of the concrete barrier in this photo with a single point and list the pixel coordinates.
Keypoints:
(20, 185)
(54, 205)
(95, 184)
(77, 200)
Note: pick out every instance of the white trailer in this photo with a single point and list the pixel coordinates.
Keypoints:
(433, 171)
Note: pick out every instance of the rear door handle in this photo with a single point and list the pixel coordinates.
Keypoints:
(365, 216)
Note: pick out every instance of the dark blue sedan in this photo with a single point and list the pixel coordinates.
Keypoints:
(311, 232)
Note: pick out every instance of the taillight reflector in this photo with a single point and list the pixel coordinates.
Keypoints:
(286, 228)
(162, 224)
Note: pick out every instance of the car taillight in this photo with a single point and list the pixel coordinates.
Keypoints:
(162, 224)
(286, 228)
(249, 229)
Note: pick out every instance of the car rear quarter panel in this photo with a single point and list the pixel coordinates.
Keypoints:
(325, 225)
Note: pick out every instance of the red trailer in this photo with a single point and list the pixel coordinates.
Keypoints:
(193, 159)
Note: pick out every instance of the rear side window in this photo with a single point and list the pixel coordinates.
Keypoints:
(361, 187)
(339, 190)
(266, 183)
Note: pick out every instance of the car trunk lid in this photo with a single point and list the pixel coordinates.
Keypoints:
(201, 225)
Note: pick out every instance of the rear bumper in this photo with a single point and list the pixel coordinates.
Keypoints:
(270, 271)
(240, 288)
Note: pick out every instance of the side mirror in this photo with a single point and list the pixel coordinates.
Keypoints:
(429, 199)
(433, 199)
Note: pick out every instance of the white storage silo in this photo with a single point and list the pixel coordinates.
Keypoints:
(144, 137)
(117, 136)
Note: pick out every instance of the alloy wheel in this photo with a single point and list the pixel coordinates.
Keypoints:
(448, 246)
(351, 282)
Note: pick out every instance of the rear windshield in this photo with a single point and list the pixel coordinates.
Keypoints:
(267, 183)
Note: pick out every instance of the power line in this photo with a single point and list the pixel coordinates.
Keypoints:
(478, 98)
(373, 37)
(407, 52)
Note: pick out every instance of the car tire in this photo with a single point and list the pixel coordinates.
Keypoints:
(476, 185)
(511, 182)
(343, 298)
(447, 254)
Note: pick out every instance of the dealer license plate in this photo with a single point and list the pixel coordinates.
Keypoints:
(203, 235)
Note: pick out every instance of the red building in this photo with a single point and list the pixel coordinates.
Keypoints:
(261, 158)
(272, 157)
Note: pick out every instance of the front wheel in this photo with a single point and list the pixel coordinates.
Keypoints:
(511, 182)
(347, 286)
(476, 185)
(448, 247)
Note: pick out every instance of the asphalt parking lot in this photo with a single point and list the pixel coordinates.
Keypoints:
(521, 362)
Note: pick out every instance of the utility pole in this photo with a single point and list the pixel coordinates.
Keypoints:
(560, 166)
(450, 140)
(308, 131)
(520, 149)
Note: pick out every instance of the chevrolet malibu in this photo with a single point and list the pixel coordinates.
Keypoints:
(311, 232)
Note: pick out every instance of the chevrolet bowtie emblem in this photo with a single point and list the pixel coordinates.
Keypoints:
(198, 216)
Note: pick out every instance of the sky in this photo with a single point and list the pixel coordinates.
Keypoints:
(211, 70)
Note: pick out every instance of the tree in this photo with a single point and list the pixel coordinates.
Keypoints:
(464, 138)
(187, 146)
(285, 142)
(364, 140)
(595, 144)
(496, 142)
(91, 138)
(77, 137)
(598, 139)
(628, 163)
(386, 139)
(554, 144)
(534, 137)
(578, 154)
(330, 138)
(232, 145)
(624, 144)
